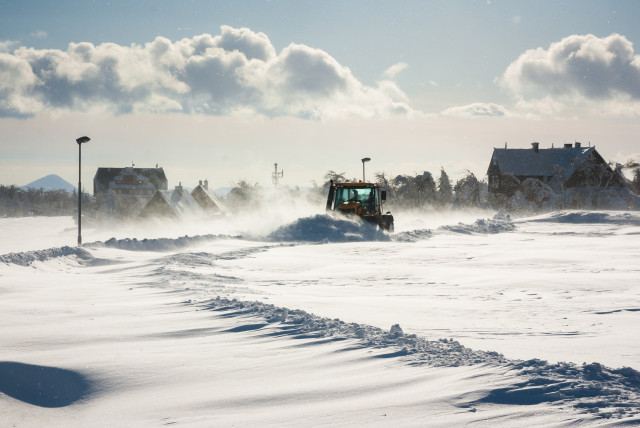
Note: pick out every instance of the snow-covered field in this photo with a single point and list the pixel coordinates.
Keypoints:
(455, 319)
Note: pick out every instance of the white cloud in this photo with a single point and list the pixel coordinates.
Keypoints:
(235, 72)
(578, 71)
(7, 45)
(394, 70)
(16, 80)
(39, 34)
(535, 108)
(477, 110)
(252, 45)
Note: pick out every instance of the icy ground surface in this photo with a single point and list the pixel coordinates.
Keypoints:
(454, 319)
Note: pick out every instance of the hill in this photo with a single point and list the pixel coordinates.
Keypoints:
(51, 182)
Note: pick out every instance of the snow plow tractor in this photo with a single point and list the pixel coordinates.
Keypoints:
(360, 199)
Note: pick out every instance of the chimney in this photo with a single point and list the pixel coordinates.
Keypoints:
(567, 145)
(578, 145)
(206, 184)
(535, 146)
(200, 183)
(179, 188)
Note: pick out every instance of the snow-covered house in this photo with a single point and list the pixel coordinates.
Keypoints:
(570, 166)
(173, 204)
(207, 200)
(123, 192)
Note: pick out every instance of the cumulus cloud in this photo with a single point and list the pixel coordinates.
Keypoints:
(394, 70)
(477, 110)
(578, 69)
(7, 45)
(235, 71)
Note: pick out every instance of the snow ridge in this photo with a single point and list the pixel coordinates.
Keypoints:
(498, 224)
(27, 258)
(301, 324)
(596, 389)
(591, 217)
(157, 244)
(412, 236)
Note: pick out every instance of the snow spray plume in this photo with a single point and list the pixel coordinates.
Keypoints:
(250, 213)
(256, 212)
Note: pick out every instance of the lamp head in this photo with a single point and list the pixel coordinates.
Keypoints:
(365, 160)
(83, 140)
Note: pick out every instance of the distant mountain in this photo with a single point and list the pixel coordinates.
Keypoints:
(51, 182)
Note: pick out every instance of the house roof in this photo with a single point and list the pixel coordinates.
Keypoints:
(156, 176)
(206, 199)
(528, 162)
(183, 205)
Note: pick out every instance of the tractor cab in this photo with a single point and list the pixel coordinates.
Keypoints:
(364, 200)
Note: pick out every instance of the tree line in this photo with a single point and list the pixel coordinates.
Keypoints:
(403, 192)
(423, 190)
(597, 189)
(19, 202)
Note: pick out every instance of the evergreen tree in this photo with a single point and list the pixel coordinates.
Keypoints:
(445, 191)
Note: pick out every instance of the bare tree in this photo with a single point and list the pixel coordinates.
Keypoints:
(467, 191)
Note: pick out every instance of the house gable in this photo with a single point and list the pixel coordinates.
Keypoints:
(206, 200)
(158, 206)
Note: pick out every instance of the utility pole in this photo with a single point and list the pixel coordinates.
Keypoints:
(80, 141)
(363, 162)
(275, 176)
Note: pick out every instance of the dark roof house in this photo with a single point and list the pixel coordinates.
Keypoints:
(123, 192)
(571, 165)
(105, 178)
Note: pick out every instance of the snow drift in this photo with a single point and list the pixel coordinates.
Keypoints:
(489, 319)
(600, 390)
(328, 228)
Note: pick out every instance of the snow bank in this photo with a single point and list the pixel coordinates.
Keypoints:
(593, 388)
(328, 228)
(157, 244)
(591, 217)
(27, 258)
(412, 236)
(498, 224)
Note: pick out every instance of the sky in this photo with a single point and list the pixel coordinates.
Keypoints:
(222, 90)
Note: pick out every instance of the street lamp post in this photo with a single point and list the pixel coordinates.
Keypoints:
(363, 161)
(80, 141)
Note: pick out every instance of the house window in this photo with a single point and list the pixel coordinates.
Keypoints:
(494, 181)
